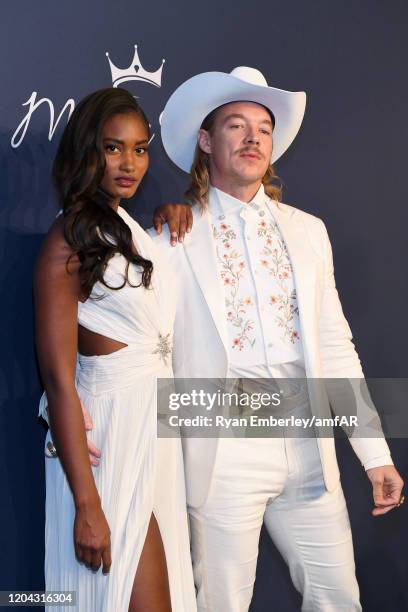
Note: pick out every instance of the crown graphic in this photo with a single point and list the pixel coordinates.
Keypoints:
(135, 72)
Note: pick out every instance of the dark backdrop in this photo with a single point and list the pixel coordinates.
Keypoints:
(348, 165)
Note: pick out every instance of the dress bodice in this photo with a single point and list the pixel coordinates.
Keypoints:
(133, 315)
(141, 318)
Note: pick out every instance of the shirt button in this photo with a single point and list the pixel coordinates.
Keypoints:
(261, 213)
(270, 344)
(248, 237)
(221, 217)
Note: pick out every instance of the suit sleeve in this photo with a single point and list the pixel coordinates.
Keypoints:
(340, 361)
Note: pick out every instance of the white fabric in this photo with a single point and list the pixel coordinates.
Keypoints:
(201, 335)
(138, 474)
(290, 483)
(256, 273)
(278, 482)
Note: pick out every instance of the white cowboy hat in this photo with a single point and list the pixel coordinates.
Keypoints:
(188, 106)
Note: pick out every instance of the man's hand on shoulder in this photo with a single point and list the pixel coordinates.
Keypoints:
(178, 217)
(387, 487)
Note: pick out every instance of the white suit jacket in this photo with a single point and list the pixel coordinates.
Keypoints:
(201, 339)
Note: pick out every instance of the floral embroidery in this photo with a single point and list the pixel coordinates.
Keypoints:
(257, 271)
(232, 267)
(275, 260)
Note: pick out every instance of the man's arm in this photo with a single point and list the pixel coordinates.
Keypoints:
(340, 360)
(338, 354)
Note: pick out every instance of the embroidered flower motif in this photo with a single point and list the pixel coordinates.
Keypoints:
(232, 268)
(262, 228)
(272, 260)
(279, 267)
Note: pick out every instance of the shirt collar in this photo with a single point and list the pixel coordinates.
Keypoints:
(223, 204)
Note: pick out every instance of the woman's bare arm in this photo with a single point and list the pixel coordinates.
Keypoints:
(56, 293)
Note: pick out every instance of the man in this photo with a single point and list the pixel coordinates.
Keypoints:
(257, 295)
(258, 300)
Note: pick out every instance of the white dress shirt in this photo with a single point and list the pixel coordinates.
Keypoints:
(260, 295)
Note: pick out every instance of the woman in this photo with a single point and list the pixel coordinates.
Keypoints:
(103, 337)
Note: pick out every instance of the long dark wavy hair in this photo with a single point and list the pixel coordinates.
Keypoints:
(92, 228)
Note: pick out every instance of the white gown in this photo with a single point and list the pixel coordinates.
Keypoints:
(138, 472)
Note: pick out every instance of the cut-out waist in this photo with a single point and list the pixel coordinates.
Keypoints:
(104, 373)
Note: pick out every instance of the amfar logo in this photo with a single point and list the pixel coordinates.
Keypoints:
(135, 72)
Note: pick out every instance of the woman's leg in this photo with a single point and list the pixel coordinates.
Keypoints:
(151, 591)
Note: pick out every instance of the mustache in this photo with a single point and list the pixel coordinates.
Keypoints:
(251, 150)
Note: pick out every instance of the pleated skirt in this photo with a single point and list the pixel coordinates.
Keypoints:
(138, 475)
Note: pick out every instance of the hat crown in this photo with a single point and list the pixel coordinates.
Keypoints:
(250, 75)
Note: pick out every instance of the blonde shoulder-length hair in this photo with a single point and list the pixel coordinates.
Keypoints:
(197, 191)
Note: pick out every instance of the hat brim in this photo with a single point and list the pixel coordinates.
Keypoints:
(188, 106)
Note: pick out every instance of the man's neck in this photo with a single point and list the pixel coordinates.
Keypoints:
(243, 193)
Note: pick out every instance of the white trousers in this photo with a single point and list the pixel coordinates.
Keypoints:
(278, 481)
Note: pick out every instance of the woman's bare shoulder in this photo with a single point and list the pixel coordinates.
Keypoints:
(56, 256)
